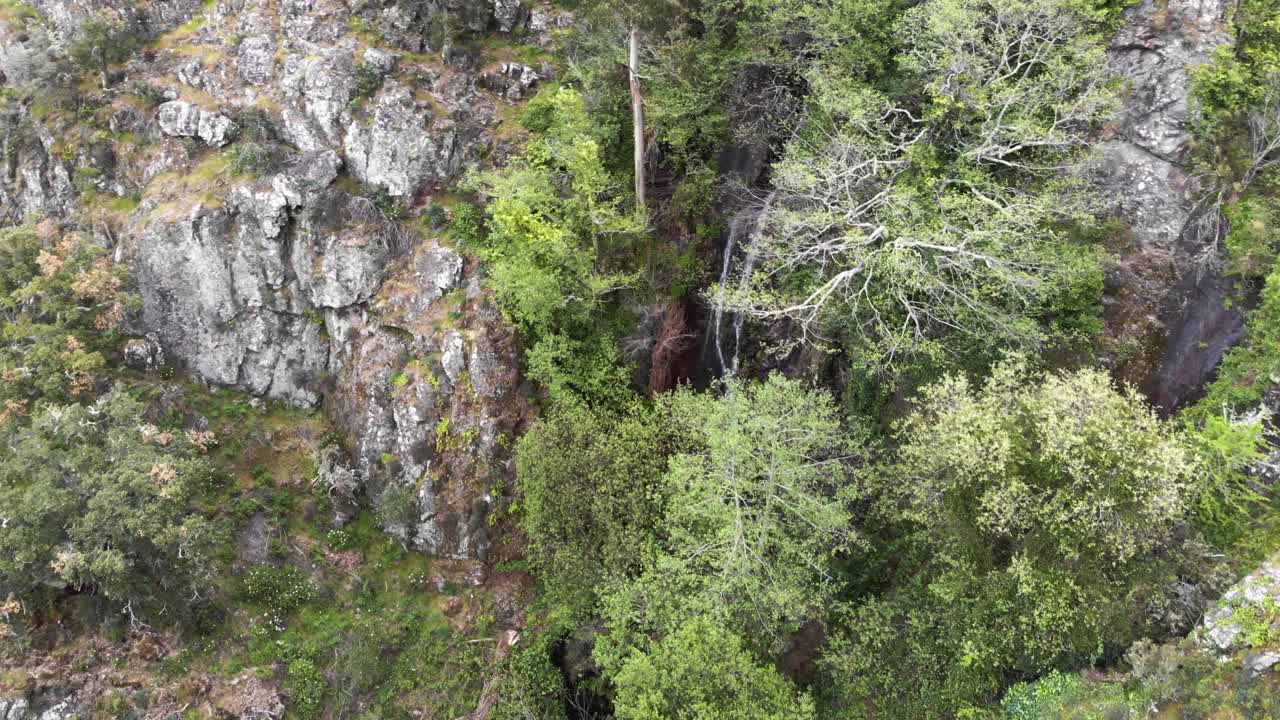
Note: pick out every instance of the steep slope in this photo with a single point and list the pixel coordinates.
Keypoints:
(252, 163)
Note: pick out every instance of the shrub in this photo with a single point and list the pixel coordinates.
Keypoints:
(466, 225)
(1251, 243)
(391, 207)
(249, 158)
(1032, 512)
(282, 589)
(96, 499)
(305, 687)
(556, 223)
(590, 488)
(704, 671)
(1226, 495)
(368, 81)
(102, 44)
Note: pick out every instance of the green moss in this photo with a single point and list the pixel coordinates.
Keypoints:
(1259, 623)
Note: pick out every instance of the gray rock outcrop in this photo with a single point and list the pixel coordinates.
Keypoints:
(263, 255)
(1222, 630)
(182, 119)
(13, 709)
(1154, 52)
(404, 145)
(34, 179)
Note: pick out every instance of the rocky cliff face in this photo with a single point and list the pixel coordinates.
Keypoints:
(249, 164)
(1165, 307)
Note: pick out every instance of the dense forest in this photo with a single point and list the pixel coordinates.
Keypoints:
(639, 359)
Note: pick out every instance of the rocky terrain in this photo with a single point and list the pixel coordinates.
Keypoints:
(283, 280)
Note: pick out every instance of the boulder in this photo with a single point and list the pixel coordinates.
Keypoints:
(182, 119)
(509, 14)
(143, 354)
(512, 81)
(256, 59)
(13, 708)
(214, 291)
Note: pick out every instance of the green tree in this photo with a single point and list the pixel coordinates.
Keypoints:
(557, 243)
(591, 489)
(758, 509)
(97, 499)
(101, 45)
(935, 223)
(1038, 514)
(703, 672)
(61, 302)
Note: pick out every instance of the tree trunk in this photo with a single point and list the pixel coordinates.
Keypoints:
(637, 117)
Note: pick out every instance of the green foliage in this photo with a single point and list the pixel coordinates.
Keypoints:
(249, 158)
(368, 81)
(1226, 496)
(97, 499)
(391, 207)
(556, 222)
(551, 219)
(305, 687)
(758, 508)
(1247, 370)
(61, 300)
(937, 225)
(579, 370)
(466, 225)
(1035, 509)
(532, 686)
(1251, 242)
(590, 483)
(280, 589)
(1059, 695)
(689, 54)
(398, 505)
(1236, 81)
(102, 44)
(702, 671)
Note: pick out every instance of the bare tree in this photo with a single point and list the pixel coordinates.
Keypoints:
(864, 238)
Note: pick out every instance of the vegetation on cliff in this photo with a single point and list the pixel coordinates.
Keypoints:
(819, 423)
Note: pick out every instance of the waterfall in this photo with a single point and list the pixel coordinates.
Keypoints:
(746, 226)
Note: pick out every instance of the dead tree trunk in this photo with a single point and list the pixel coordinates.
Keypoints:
(637, 117)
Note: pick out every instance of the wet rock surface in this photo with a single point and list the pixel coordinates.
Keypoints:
(1165, 309)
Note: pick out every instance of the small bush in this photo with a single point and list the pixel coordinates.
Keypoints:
(281, 589)
(368, 81)
(249, 158)
(398, 506)
(467, 225)
(102, 44)
(305, 687)
(391, 207)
